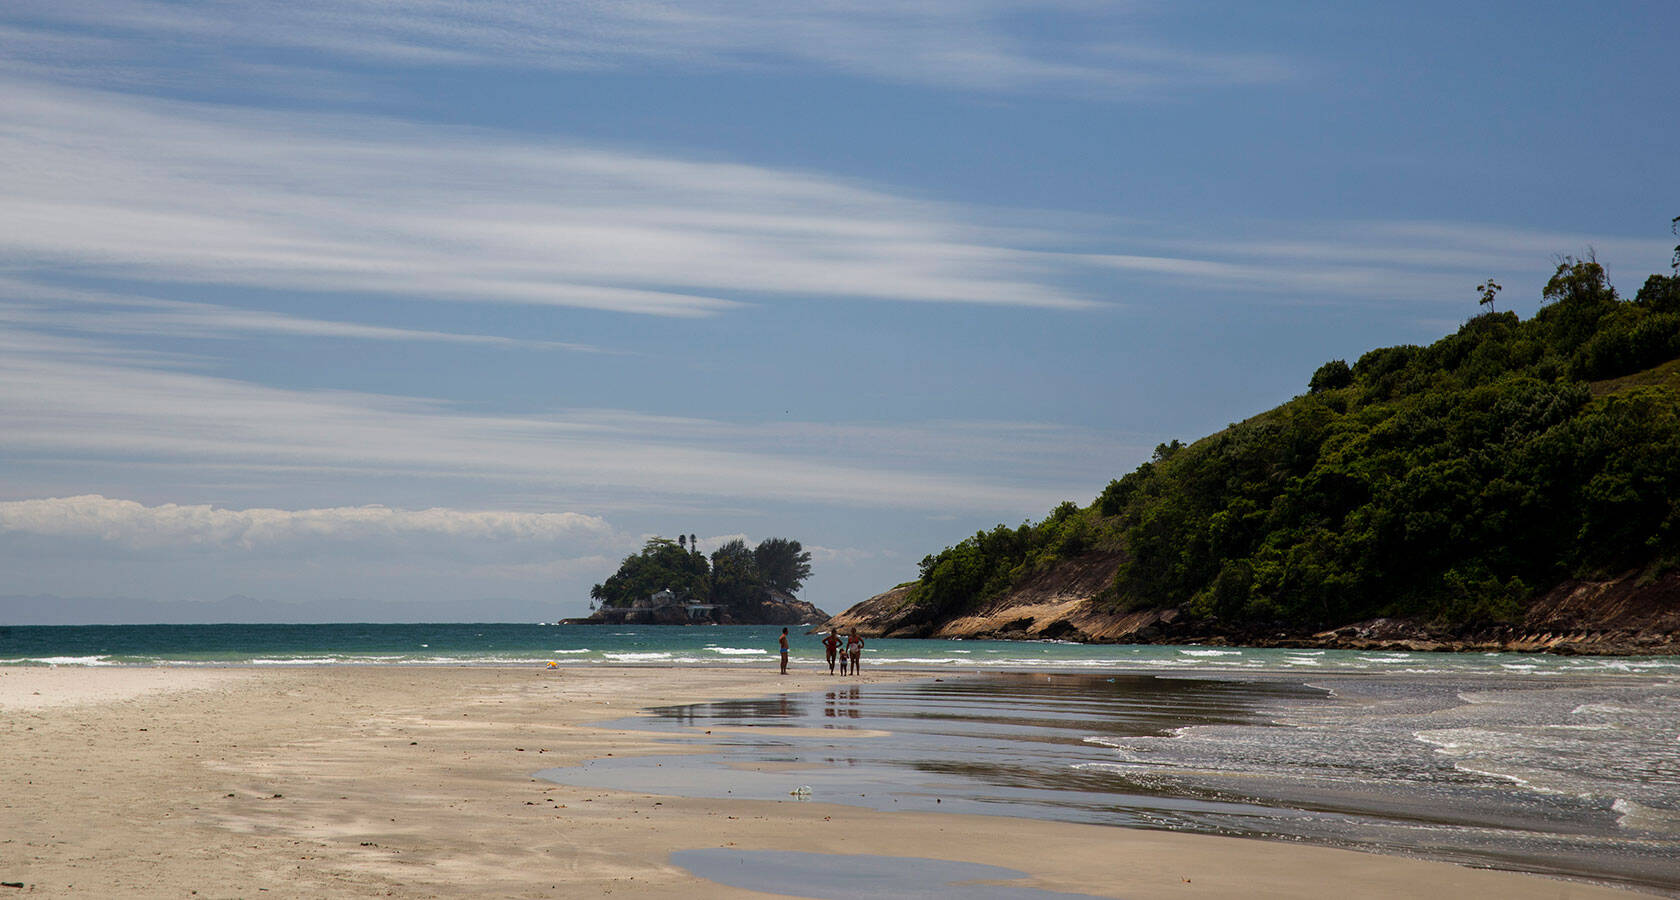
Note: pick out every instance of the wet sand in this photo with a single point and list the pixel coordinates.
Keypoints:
(419, 782)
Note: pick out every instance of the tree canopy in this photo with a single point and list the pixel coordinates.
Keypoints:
(662, 564)
(784, 564)
(1450, 482)
(736, 575)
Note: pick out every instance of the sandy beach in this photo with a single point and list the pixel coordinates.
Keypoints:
(418, 782)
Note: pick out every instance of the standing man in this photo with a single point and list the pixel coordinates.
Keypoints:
(784, 650)
(854, 649)
(831, 646)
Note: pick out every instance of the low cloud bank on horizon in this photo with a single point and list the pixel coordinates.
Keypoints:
(136, 526)
(133, 524)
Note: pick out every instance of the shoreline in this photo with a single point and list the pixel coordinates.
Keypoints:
(417, 781)
(1630, 615)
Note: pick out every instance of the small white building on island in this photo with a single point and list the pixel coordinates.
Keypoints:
(659, 598)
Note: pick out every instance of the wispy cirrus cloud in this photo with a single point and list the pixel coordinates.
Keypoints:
(1412, 261)
(93, 403)
(162, 191)
(1102, 49)
(104, 312)
(165, 192)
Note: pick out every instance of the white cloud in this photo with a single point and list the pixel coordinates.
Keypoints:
(1097, 48)
(847, 556)
(131, 524)
(100, 312)
(1429, 262)
(68, 398)
(186, 193)
(193, 193)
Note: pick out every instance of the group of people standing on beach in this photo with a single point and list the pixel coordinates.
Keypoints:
(852, 654)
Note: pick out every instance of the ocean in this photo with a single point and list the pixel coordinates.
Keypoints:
(1567, 766)
(515, 644)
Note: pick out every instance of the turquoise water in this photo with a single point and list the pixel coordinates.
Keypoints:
(579, 645)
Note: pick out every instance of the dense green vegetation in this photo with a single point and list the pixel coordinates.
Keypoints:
(736, 574)
(1450, 482)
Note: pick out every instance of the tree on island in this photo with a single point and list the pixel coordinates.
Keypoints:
(661, 565)
(784, 564)
(737, 577)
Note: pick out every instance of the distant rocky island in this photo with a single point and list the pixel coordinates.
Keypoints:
(1512, 486)
(672, 583)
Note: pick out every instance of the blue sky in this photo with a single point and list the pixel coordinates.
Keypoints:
(409, 310)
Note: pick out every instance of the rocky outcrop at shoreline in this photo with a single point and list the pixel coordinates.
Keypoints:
(1630, 615)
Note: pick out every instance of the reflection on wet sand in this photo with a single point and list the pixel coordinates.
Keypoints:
(1268, 757)
(843, 704)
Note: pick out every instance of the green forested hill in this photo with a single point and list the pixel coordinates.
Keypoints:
(1449, 483)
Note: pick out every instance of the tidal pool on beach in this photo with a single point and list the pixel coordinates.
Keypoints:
(1568, 776)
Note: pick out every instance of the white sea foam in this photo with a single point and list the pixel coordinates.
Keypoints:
(1602, 709)
(1203, 652)
(1461, 742)
(1632, 665)
(1518, 780)
(70, 661)
(570, 652)
(639, 657)
(1040, 663)
(1118, 768)
(1639, 817)
(739, 651)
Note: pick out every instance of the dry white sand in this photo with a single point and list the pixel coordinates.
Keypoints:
(417, 782)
